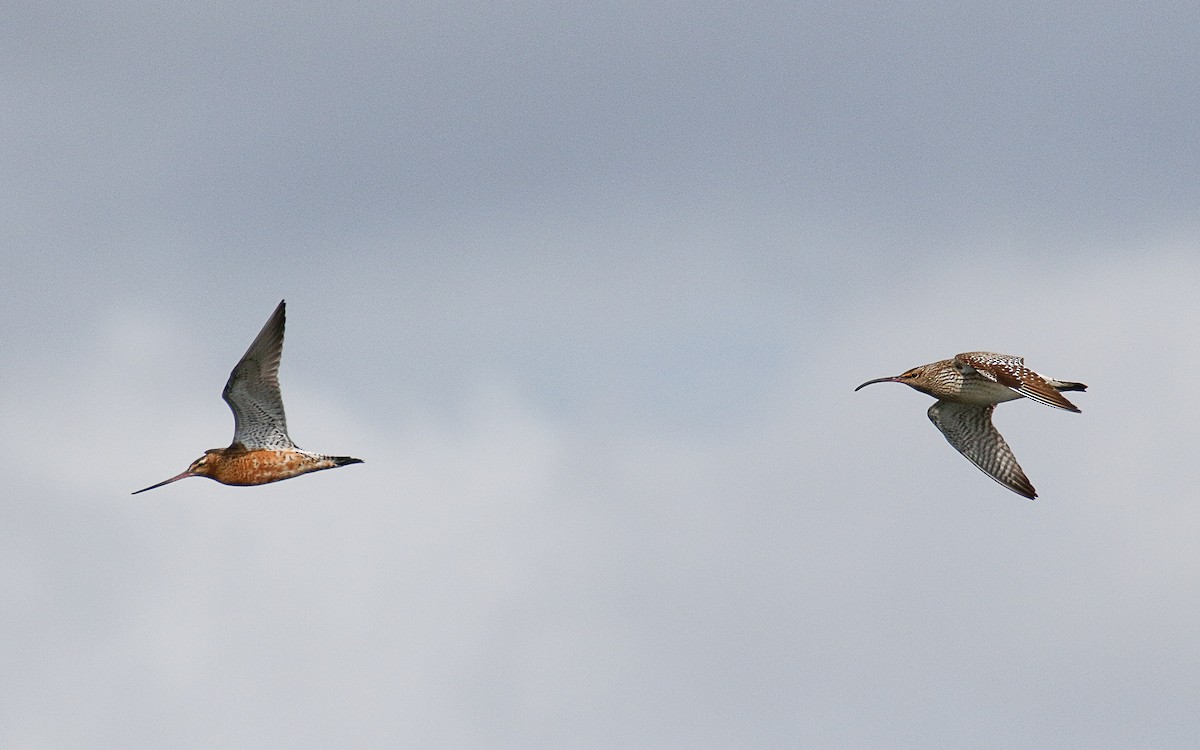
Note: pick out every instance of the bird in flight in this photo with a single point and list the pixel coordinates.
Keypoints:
(261, 450)
(967, 389)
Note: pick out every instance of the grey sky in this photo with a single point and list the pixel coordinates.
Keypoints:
(589, 291)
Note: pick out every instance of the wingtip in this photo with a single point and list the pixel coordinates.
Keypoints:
(1019, 485)
(1024, 489)
(1050, 397)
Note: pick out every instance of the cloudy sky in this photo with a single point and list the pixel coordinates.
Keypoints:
(589, 287)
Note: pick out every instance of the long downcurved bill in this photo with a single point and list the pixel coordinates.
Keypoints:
(892, 379)
(184, 475)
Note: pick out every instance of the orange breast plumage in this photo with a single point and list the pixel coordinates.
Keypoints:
(263, 466)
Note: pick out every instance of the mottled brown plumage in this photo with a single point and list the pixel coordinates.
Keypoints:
(261, 450)
(967, 389)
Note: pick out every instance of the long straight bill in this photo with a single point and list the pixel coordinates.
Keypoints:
(184, 475)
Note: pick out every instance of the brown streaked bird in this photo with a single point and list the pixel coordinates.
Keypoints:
(967, 389)
(261, 450)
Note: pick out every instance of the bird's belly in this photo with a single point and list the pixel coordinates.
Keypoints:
(986, 393)
(265, 466)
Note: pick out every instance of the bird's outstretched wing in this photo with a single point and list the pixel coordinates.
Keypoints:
(252, 391)
(969, 429)
(1011, 372)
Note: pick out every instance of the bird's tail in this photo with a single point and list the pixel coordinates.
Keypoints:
(345, 460)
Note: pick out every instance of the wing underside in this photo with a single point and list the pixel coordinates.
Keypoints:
(970, 430)
(252, 390)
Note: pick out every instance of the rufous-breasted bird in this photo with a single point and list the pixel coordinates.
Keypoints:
(261, 450)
